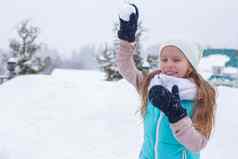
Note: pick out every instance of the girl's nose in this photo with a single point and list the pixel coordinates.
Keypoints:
(169, 63)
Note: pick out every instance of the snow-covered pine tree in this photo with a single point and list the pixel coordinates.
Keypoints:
(107, 63)
(153, 60)
(24, 49)
(3, 62)
(153, 56)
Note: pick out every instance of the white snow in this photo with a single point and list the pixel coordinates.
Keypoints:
(12, 60)
(213, 60)
(206, 64)
(126, 11)
(231, 70)
(76, 114)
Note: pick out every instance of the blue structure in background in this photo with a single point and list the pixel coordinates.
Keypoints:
(231, 53)
(218, 77)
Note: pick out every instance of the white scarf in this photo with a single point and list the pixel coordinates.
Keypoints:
(187, 88)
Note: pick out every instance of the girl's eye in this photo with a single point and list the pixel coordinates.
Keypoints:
(164, 60)
(177, 60)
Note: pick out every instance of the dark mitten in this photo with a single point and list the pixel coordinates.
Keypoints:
(176, 111)
(167, 102)
(128, 29)
(160, 97)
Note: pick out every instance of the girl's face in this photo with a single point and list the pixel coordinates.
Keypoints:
(173, 62)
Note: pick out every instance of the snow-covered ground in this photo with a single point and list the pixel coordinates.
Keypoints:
(76, 114)
(71, 114)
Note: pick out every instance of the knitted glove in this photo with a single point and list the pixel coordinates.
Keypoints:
(128, 23)
(167, 102)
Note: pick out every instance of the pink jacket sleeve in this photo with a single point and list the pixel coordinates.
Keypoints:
(126, 64)
(187, 135)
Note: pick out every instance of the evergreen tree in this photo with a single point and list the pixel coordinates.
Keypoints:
(153, 56)
(107, 62)
(153, 61)
(25, 47)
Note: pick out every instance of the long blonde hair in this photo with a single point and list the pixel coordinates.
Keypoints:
(205, 103)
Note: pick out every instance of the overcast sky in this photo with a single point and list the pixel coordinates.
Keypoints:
(68, 24)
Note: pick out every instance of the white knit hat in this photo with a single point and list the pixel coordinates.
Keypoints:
(191, 51)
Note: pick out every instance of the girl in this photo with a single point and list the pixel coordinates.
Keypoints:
(178, 105)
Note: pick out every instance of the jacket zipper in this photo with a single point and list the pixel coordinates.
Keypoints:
(157, 135)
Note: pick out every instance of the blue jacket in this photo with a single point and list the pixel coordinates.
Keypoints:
(159, 141)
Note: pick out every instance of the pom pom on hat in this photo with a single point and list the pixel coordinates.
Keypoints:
(191, 51)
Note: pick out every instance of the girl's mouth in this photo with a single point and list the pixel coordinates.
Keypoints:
(171, 73)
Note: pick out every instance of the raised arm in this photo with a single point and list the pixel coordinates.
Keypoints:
(126, 64)
(128, 25)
